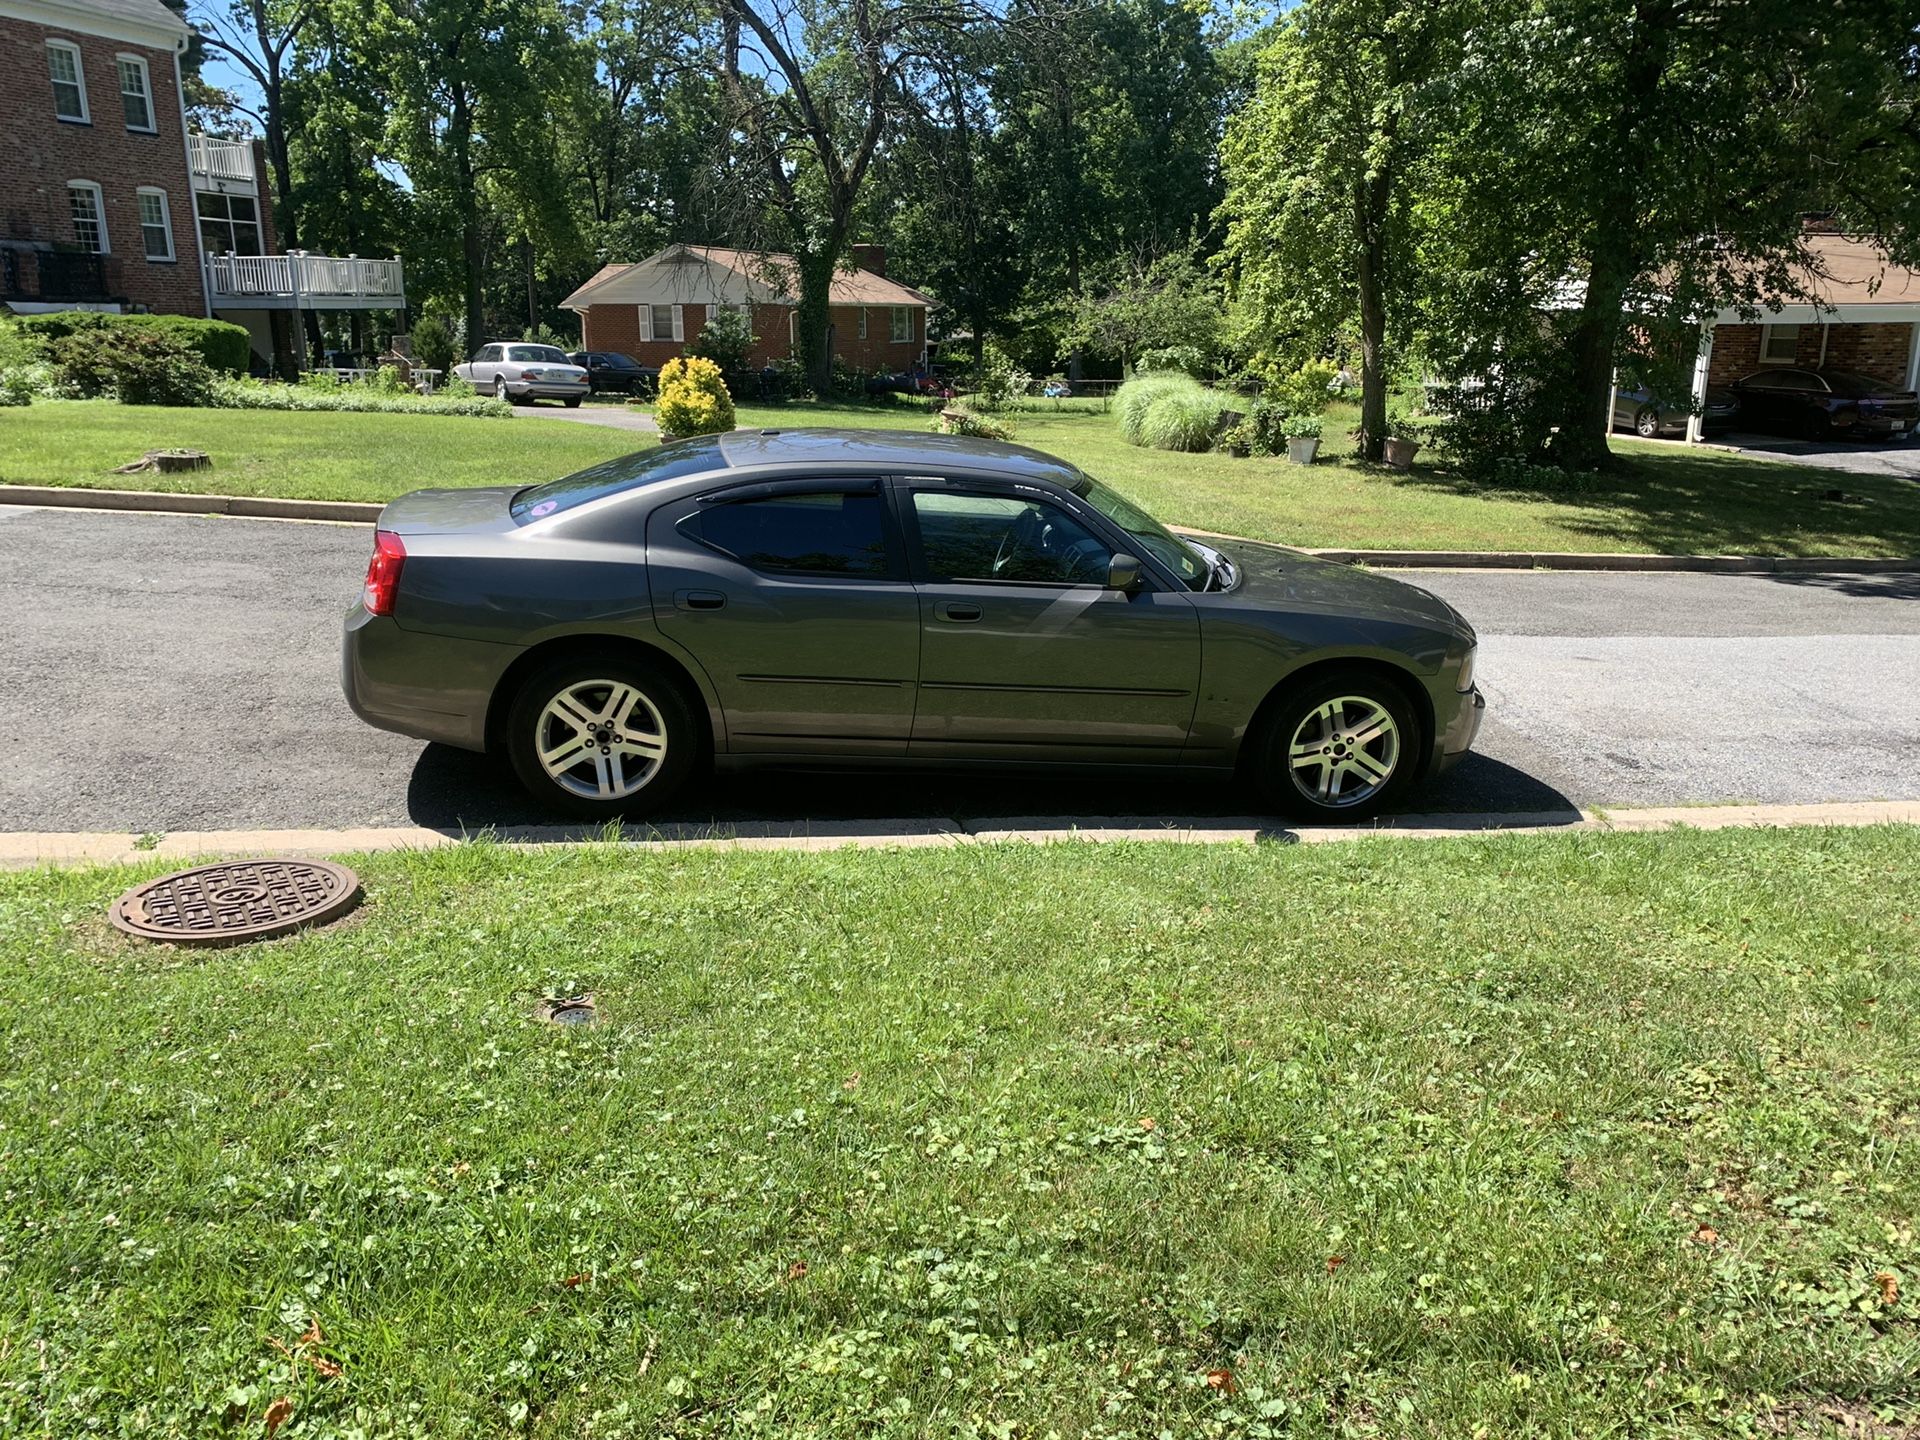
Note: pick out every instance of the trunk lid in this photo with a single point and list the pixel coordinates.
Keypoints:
(450, 512)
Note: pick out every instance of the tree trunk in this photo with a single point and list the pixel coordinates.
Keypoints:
(1371, 201)
(466, 201)
(811, 317)
(533, 294)
(280, 157)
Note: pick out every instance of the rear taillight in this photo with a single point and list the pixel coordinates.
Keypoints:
(383, 573)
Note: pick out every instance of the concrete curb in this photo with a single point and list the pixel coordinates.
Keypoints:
(262, 507)
(28, 850)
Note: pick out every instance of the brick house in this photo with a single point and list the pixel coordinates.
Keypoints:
(653, 309)
(109, 202)
(1865, 317)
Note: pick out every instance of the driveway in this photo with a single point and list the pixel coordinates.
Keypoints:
(168, 672)
(1899, 459)
(607, 417)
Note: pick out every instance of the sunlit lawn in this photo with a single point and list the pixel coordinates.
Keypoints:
(1666, 498)
(1559, 1137)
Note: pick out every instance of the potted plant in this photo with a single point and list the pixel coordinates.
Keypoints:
(1303, 437)
(1402, 442)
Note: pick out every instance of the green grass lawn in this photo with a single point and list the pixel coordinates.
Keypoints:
(1573, 1136)
(1665, 498)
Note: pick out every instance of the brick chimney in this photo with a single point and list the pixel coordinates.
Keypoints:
(871, 257)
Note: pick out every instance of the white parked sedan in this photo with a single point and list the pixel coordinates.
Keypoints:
(522, 374)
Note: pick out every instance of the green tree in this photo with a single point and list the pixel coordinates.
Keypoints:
(1653, 161)
(1324, 167)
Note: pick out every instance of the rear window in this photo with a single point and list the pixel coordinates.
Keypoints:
(610, 477)
(1852, 384)
(542, 354)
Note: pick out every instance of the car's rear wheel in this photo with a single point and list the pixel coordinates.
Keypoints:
(602, 738)
(500, 390)
(573, 402)
(1339, 750)
(1646, 423)
(1817, 426)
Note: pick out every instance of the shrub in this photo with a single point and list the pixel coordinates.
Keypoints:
(1001, 382)
(1171, 412)
(1187, 359)
(139, 368)
(1267, 421)
(231, 394)
(693, 398)
(958, 421)
(433, 343)
(223, 348)
(1307, 390)
(1512, 473)
(726, 340)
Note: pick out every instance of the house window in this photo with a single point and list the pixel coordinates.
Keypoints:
(902, 321)
(1779, 344)
(661, 322)
(136, 96)
(89, 216)
(863, 322)
(69, 82)
(228, 223)
(156, 224)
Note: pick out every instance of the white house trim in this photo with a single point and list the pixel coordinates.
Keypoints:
(163, 32)
(139, 62)
(72, 51)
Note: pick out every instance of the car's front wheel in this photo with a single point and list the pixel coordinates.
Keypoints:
(1339, 750)
(602, 738)
(1646, 424)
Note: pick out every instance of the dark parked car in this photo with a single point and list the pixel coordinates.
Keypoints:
(611, 373)
(863, 596)
(1814, 404)
(1638, 409)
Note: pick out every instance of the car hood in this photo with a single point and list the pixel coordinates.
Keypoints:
(1274, 576)
(448, 512)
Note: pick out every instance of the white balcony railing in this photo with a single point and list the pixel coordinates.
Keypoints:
(300, 279)
(220, 159)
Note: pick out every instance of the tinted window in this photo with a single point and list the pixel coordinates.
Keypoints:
(1148, 533)
(543, 354)
(644, 467)
(1009, 538)
(809, 534)
(1849, 383)
(1777, 379)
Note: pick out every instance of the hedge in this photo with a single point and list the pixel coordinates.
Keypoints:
(227, 349)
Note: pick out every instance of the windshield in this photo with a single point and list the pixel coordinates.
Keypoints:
(1154, 538)
(545, 354)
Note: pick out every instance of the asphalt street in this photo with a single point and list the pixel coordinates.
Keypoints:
(180, 672)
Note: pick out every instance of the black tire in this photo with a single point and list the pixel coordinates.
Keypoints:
(1646, 423)
(1304, 710)
(573, 402)
(1817, 425)
(500, 390)
(668, 714)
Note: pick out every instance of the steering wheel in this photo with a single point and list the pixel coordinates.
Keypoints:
(1019, 536)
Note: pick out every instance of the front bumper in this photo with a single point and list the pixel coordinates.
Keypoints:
(432, 687)
(1457, 738)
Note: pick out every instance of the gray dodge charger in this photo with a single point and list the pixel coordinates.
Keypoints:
(866, 597)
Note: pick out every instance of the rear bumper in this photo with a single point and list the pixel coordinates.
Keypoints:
(547, 390)
(432, 687)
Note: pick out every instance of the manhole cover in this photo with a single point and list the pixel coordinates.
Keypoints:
(577, 1011)
(236, 900)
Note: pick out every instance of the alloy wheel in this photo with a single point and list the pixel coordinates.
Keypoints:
(600, 739)
(1344, 752)
(1647, 424)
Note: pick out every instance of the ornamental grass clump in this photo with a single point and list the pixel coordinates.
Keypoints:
(1170, 411)
(693, 398)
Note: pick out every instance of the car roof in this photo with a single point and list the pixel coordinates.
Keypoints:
(899, 451)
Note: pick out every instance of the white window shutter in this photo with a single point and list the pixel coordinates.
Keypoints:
(679, 324)
(710, 312)
(646, 322)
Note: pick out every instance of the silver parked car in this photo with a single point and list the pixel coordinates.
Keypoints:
(521, 374)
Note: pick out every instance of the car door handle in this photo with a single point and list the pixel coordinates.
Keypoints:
(960, 612)
(699, 599)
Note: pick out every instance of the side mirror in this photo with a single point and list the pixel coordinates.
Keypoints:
(1123, 572)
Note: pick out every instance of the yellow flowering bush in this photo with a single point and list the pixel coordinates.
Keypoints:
(693, 398)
